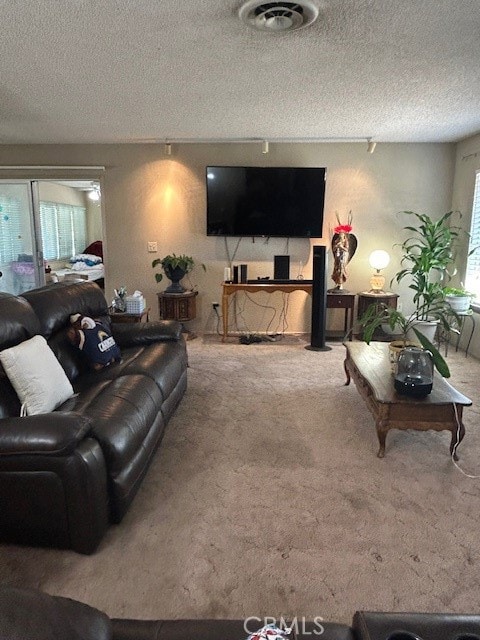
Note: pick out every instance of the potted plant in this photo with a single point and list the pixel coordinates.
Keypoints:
(427, 256)
(458, 298)
(403, 327)
(175, 268)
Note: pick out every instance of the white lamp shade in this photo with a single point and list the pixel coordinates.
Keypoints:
(379, 259)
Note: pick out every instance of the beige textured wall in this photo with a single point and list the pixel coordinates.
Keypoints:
(149, 196)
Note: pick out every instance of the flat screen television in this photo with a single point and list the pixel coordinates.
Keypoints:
(281, 202)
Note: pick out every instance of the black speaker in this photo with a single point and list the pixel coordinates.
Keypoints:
(281, 267)
(319, 300)
(236, 270)
(243, 273)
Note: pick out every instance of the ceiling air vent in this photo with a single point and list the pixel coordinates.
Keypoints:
(278, 17)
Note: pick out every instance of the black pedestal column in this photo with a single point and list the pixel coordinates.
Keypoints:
(319, 300)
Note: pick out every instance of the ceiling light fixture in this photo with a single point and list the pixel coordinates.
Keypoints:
(265, 146)
(168, 149)
(94, 193)
(371, 145)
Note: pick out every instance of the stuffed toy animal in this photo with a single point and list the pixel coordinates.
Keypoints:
(94, 340)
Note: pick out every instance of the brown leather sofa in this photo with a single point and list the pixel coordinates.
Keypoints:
(33, 615)
(65, 475)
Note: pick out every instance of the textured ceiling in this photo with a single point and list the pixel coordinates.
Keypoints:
(147, 70)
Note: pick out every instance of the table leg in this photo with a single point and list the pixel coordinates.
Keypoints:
(382, 430)
(458, 433)
(347, 372)
(225, 316)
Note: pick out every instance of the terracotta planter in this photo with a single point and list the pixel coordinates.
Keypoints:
(394, 349)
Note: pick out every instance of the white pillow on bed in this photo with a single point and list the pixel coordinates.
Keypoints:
(36, 375)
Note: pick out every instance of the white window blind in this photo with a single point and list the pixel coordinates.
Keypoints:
(10, 229)
(472, 277)
(64, 230)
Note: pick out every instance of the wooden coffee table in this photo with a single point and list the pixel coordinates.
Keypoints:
(369, 366)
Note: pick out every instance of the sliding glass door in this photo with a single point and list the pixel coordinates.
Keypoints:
(21, 258)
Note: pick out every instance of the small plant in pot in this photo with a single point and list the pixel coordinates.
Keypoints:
(458, 298)
(175, 268)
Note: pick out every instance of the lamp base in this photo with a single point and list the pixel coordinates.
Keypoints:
(377, 282)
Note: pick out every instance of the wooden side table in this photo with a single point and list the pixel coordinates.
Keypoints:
(123, 316)
(344, 301)
(178, 306)
(366, 299)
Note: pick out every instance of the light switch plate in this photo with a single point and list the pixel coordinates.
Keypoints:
(152, 247)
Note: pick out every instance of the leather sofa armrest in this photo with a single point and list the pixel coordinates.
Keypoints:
(30, 614)
(47, 434)
(144, 333)
(124, 629)
(373, 625)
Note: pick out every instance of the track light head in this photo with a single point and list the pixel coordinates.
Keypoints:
(168, 149)
(371, 145)
(265, 146)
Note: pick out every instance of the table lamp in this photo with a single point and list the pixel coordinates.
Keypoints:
(378, 260)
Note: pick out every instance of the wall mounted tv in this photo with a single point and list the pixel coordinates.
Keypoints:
(281, 202)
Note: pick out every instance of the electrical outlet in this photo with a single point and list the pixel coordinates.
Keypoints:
(399, 306)
(215, 305)
(152, 247)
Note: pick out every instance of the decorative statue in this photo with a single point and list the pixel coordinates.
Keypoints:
(344, 245)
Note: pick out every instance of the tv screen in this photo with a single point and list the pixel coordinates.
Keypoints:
(265, 201)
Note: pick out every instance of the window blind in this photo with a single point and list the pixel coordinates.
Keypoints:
(472, 277)
(64, 230)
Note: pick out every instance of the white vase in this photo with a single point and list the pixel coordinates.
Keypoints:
(459, 304)
(427, 327)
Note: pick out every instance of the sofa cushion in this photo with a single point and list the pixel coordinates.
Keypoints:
(163, 362)
(36, 375)
(121, 412)
(19, 321)
(32, 615)
(55, 303)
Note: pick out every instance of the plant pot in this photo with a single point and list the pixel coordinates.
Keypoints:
(175, 275)
(459, 304)
(394, 349)
(427, 327)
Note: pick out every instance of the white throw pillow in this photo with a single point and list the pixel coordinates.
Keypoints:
(36, 375)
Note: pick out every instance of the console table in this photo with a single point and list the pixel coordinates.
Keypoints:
(369, 366)
(366, 299)
(334, 300)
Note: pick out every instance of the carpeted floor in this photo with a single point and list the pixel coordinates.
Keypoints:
(266, 498)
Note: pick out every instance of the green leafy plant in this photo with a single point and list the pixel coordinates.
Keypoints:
(427, 260)
(427, 256)
(458, 291)
(377, 315)
(171, 262)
